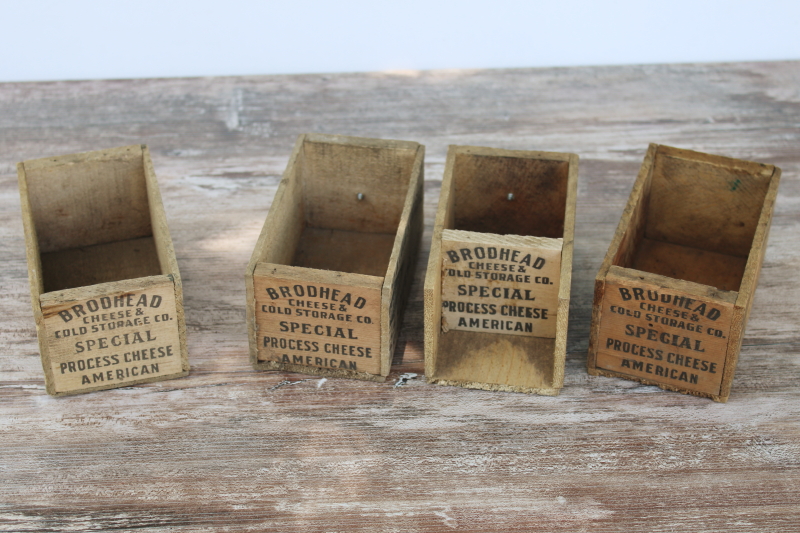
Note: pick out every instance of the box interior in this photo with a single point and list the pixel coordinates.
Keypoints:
(480, 188)
(482, 184)
(92, 219)
(696, 219)
(330, 228)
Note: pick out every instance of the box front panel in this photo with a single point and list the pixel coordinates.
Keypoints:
(114, 339)
(663, 335)
(500, 288)
(318, 324)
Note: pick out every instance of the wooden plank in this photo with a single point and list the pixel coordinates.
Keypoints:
(664, 332)
(400, 270)
(707, 202)
(336, 169)
(605, 455)
(101, 263)
(744, 303)
(85, 199)
(487, 176)
(683, 262)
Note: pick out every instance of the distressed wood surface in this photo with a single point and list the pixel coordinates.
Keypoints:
(231, 449)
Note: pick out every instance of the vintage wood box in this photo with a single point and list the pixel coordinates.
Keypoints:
(498, 280)
(675, 289)
(105, 285)
(330, 273)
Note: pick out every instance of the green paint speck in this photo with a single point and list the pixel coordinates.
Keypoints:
(735, 184)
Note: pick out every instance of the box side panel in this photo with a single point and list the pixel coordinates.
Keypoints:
(279, 236)
(319, 319)
(165, 249)
(634, 218)
(509, 195)
(335, 173)
(704, 202)
(112, 335)
(35, 278)
(665, 331)
(432, 291)
(565, 283)
(89, 199)
(161, 234)
(744, 302)
(622, 248)
(400, 273)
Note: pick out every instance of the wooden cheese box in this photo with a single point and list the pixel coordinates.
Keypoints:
(330, 273)
(498, 281)
(675, 289)
(105, 285)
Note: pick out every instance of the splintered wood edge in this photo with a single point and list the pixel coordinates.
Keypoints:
(645, 171)
(458, 235)
(747, 289)
(404, 252)
(495, 387)
(133, 151)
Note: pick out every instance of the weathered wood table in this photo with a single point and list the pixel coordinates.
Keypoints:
(231, 449)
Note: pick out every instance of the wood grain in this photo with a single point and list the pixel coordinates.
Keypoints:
(230, 449)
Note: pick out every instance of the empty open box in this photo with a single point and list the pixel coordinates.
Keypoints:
(330, 273)
(498, 280)
(675, 290)
(105, 286)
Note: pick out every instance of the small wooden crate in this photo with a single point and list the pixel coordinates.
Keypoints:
(676, 286)
(498, 280)
(105, 285)
(330, 273)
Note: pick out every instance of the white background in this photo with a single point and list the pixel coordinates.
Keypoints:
(86, 39)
